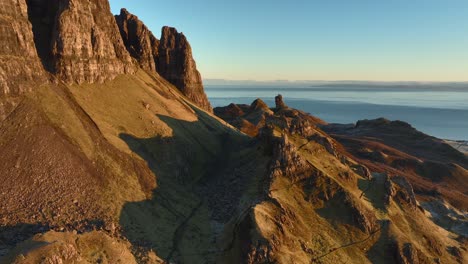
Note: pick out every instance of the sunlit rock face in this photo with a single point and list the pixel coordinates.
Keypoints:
(20, 66)
(79, 40)
(176, 64)
(139, 40)
(171, 57)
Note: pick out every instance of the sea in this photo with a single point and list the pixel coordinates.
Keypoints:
(438, 111)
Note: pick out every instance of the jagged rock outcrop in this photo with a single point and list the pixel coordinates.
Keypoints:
(286, 160)
(409, 254)
(259, 115)
(406, 192)
(79, 40)
(279, 102)
(176, 65)
(363, 171)
(74, 161)
(171, 56)
(139, 40)
(20, 66)
(259, 104)
(232, 111)
(247, 118)
(389, 190)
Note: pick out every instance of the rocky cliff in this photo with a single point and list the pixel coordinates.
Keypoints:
(86, 44)
(139, 40)
(20, 65)
(171, 57)
(176, 64)
(78, 41)
(126, 171)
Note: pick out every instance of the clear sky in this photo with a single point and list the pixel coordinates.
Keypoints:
(385, 40)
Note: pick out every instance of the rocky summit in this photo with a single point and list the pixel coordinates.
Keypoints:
(110, 153)
(139, 40)
(176, 64)
(171, 56)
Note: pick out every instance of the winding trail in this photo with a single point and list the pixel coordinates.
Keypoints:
(178, 233)
(315, 260)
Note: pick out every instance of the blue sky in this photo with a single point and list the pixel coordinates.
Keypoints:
(391, 40)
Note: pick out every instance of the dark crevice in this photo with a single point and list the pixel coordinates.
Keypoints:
(42, 15)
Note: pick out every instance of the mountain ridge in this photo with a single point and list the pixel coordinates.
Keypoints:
(111, 153)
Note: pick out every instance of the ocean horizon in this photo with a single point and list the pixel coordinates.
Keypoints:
(438, 111)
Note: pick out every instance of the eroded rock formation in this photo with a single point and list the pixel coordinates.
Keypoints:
(78, 41)
(139, 40)
(171, 56)
(20, 66)
(258, 115)
(291, 194)
(86, 44)
(176, 64)
(279, 102)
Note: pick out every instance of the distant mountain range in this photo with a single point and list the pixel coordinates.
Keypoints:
(350, 83)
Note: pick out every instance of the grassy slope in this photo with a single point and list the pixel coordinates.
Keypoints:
(91, 144)
(189, 152)
(309, 221)
(136, 153)
(92, 247)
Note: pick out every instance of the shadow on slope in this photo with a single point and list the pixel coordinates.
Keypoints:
(200, 181)
(11, 235)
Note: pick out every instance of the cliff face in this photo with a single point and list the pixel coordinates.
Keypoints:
(171, 57)
(176, 64)
(20, 66)
(139, 40)
(86, 45)
(95, 173)
(78, 41)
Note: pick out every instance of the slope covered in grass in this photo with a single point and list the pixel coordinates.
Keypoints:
(167, 181)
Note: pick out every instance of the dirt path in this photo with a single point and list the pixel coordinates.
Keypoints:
(180, 230)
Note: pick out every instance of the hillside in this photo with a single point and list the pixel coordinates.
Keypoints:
(110, 153)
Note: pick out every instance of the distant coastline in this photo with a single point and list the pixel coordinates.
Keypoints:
(439, 113)
(343, 83)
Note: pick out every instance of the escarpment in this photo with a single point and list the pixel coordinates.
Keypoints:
(139, 40)
(20, 66)
(86, 45)
(171, 57)
(77, 42)
(104, 163)
(176, 64)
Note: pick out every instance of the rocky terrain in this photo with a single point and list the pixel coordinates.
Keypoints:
(78, 41)
(139, 40)
(459, 145)
(110, 154)
(171, 56)
(396, 190)
(20, 66)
